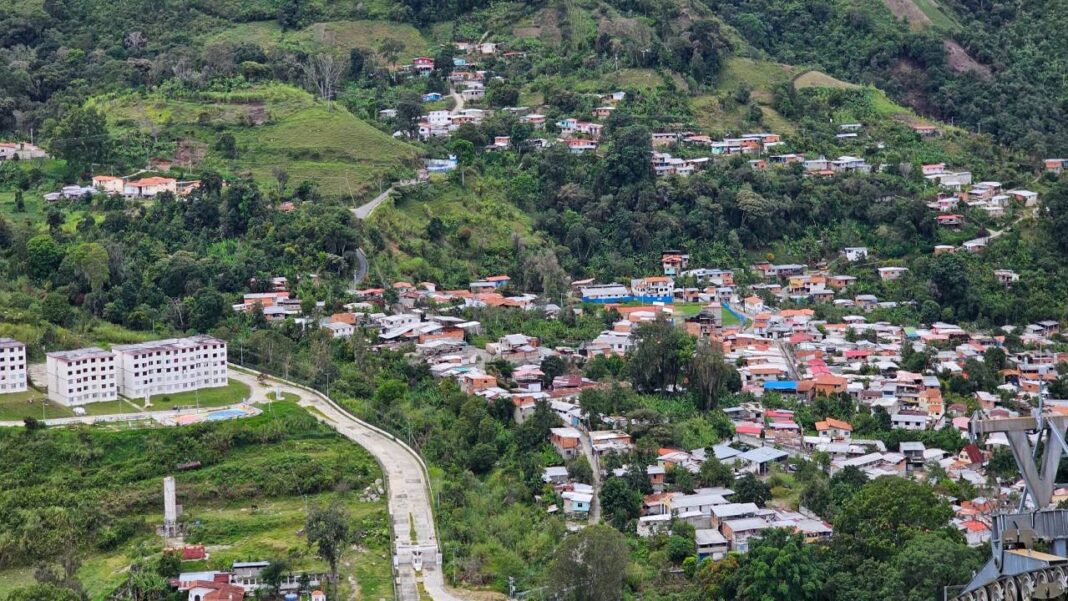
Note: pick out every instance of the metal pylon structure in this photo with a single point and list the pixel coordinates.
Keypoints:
(1016, 570)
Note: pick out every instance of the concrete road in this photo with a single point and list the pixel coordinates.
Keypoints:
(364, 211)
(410, 505)
(587, 450)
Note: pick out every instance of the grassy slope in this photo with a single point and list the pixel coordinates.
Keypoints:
(719, 113)
(479, 211)
(263, 528)
(331, 35)
(818, 79)
(325, 145)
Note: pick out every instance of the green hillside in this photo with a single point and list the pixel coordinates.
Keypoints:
(275, 127)
(339, 36)
(96, 490)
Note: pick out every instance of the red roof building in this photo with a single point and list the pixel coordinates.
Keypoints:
(193, 553)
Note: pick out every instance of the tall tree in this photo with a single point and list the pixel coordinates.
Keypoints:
(590, 565)
(323, 74)
(620, 502)
(714, 473)
(659, 352)
(81, 138)
(242, 207)
(779, 567)
(750, 489)
(627, 159)
(711, 376)
(932, 561)
(328, 529)
(390, 49)
(888, 512)
(1055, 205)
(356, 62)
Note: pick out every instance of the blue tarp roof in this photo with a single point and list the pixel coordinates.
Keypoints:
(781, 385)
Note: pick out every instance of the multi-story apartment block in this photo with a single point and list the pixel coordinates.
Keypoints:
(82, 376)
(12, 366)
(170, 366)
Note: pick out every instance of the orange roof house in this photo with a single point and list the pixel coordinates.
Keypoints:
(348, 318)
(834, 428)
(828, 384)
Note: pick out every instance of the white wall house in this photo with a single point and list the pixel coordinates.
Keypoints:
(171, 366)
(82, 376)
(12, 366)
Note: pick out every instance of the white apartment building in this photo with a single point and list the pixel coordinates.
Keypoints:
(170, 366)
(82, 376)
(12, 366)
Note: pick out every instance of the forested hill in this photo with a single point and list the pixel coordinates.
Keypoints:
(998, 67)
(221, 91)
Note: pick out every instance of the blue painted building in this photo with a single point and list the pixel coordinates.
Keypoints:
(606, 293)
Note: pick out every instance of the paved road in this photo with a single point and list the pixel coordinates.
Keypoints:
(587, 450)
(364, 211)
(791, 362)
(407, 481)
(409, 493)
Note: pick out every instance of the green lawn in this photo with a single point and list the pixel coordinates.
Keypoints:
(14, 578)
(242, 532)
(110, 407)
(233, 393)
(32, 403)
(818, 79)
(286, 396)
(760, 77)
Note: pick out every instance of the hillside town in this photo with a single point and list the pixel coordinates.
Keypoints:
(736, 300)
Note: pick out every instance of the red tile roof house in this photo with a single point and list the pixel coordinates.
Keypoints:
(834, 429)
(206, 590)
(972, 454)
(150, 186)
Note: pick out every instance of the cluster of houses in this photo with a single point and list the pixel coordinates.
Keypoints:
(92, 375)
(127, 187)
(442, 123)
(752, 143)
(785, 354)
(243, 579)
(988, 196)
(799, 357)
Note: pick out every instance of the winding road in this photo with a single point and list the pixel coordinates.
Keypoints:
(410, 508)
(407, 481)
(364, 211)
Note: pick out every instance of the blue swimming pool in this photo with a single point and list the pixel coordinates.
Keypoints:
(225, 414)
